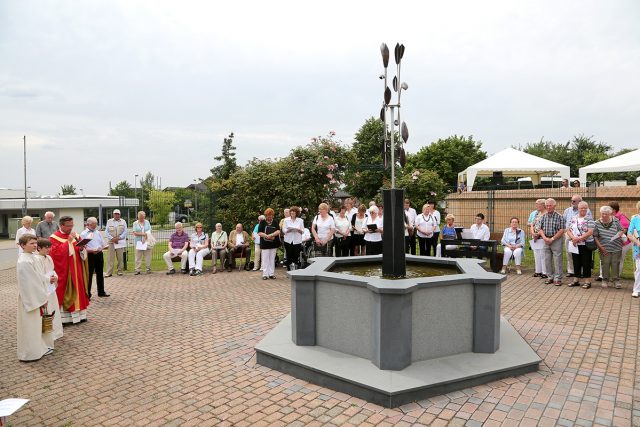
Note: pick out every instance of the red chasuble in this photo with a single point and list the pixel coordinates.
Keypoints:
(71, 290)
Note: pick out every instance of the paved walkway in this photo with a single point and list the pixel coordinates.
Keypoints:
(178, 350)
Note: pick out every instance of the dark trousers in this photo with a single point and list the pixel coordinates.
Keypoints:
(342, 246)
(292, 254)
(96, 264)
(426, 243)
(374, 248)
(582, 262)
(410, 243)
(434, 241)
(240, 253)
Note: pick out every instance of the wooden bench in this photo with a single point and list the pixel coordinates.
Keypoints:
(464, 250)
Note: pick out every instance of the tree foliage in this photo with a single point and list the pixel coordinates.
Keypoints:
(122, 189)
(580, 151)
(160, 204)
(68, 190)
(228, 159)
(447, 157)
(421, 186)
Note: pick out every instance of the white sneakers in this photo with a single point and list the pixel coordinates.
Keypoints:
(635, 295)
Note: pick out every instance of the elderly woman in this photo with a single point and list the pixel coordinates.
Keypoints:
(633, 233)
(323, 228)
(141, 229)
(27, 221)
(534, 227)
(293, 229)
(449, 231)
(199, 249)
(513, 242)
(219, 248)
(580, 232)
(426, 224)
(343, 232)
(269, 232)
(373, 232)
(256, 244)
(608, 236)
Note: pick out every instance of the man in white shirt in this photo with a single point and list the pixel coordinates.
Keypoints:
(95, 257)
(116, 231)
(479, 230)
(410, 240)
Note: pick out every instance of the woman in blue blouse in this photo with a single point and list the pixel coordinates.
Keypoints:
(513, 242)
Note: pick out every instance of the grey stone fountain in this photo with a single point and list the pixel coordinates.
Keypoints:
(395, 339)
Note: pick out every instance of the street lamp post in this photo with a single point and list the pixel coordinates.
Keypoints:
(24, 146)
(135, 187)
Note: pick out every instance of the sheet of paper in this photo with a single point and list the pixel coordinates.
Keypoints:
(121, 244)
(571, 248)
(9, 406)
(141, 246)
(536, 244)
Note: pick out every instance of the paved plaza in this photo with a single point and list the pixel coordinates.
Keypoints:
(178, 350)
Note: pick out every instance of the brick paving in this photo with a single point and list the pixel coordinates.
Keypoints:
(178, 350)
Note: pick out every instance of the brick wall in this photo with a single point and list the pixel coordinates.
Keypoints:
(519, 203)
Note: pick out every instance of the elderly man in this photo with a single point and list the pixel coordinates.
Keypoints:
(239, 245)
(117, 238)
(67, 263)
(95, 258)
(178, 243)
(218, 248)
(552, 227)
(568, 215)
(47, 227)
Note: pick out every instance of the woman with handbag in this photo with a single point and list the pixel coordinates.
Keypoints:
(580, 232)
(141, 230)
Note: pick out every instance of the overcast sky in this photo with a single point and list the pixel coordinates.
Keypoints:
(105, 90)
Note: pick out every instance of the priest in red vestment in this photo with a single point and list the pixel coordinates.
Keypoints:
(71, 290)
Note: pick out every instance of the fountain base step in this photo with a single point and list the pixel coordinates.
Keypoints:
(361, 378)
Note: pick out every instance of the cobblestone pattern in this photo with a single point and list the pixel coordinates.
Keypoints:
(178, 350)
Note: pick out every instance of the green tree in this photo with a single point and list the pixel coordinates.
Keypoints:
(421, 186)
(365, 173)
(160, 204)
(123, 189)
(447, 157)
(68, 190)
(228, 159)
(578, 152)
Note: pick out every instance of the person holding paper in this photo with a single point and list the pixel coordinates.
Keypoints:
(71, 271)
(95, 258)
(323, 228)
(537, 244)
(633, 233)
(116, 232)
(425, 224)
(607, 233)
(178, 243)
(140, 229)
(551, 230)
(269, 232)
(32, 300)
(580, 232)
(199, 249)
(569, 214)
(44, 266)
(373, 232)
(293, 228)
(513, 242)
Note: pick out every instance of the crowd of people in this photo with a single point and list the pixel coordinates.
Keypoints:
(56, 265)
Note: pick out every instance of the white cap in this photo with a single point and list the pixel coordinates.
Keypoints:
(116, 211)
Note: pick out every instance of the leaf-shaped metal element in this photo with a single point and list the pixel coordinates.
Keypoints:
(384, 50)
(403, 157)
(382, 114)
(404, 131)
(401, 51)
(395, 83)
(396, 53)
(387, 96)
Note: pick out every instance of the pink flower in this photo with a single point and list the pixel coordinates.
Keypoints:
(326, 157)
(333, 181)
(330, 175)
(335, 190)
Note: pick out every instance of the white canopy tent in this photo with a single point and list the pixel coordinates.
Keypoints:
(628, 162)
(515, 163)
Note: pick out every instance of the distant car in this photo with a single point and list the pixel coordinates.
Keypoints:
(181, 218)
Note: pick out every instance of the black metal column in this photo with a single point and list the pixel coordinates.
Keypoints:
(393, 256)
